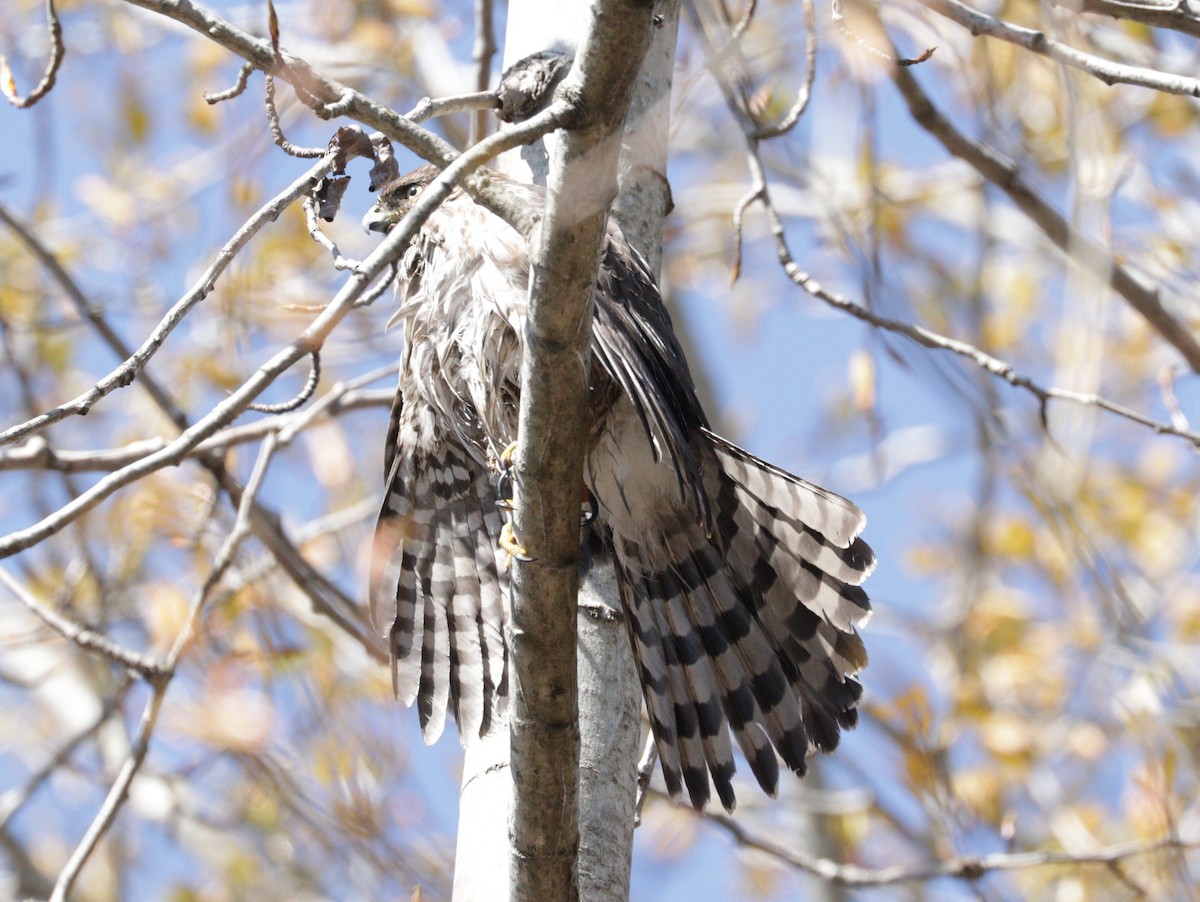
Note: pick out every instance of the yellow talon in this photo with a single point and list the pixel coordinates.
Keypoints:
(508, 542)
(507, 455)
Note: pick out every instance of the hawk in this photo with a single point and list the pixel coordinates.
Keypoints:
(740, 582)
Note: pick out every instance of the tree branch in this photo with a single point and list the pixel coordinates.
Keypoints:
(258, 51)
(553, 427)
(1077, 245)
(1174, 16)
(132, 367)
(1039, 42)
(481, 55)
(58, 50)
(962, 867)
(87, 639)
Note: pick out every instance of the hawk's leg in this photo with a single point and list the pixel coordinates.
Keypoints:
(503, 465)
(508, 542)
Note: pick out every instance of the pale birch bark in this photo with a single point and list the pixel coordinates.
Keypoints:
(609, 690)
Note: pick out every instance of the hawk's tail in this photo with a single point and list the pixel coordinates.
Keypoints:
(754, 625)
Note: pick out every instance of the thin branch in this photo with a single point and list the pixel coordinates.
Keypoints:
(493, 195)
(15, 799)
(58, 50)
(37, 454)
(927, 338)
(120, 789)
(482, 54)
(1175, 16)
(788, 122)
(89, 640)
(429, 108)
(963, 867)
(238, 88)
(739, 216)
(1079, 247)
(1166, 383)
(277, 130)
(380, 287)
(132, 367)
(309, 389)
(241, 530)
(1039, 42)
(743, 23)
(115, 798)
(318, 235)
(645, 773)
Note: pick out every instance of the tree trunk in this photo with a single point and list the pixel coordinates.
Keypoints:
(609, 689)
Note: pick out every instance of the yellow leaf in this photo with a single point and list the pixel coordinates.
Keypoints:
(1008, 736)
(862, 380)
(7, 83)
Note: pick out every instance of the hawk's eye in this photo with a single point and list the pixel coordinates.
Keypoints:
(414, 190)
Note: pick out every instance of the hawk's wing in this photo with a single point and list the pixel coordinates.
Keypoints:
(633, 341)
(438, 590)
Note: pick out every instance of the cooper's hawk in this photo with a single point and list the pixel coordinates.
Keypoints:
(740, 582)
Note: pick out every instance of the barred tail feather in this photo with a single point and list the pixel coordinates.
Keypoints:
(436, 592)
(704, 691)
(758, 681)
(723, 642)
(645, 636)
(493, 611)
(796, 552)
(468, 686)
(755, 622)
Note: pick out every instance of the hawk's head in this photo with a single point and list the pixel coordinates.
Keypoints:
(397, 198)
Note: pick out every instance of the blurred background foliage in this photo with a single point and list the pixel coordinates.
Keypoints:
(1035, 663)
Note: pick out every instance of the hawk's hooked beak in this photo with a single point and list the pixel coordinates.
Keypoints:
(376, 220)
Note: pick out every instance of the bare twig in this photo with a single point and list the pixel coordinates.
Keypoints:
(132, 367)
(238, 88)
(963, 867)
(115, 798)
(788, 122)
(87, 639)
(492, 194)
(482, 54)
(739, 215)
(1039, 42)
(36, 454)
(380, 287)
(1176, 16)
(645, 772)
(742, 24)
(120, 788)
(430, 108)
(839, 19)
(1080, 247)
(58, 50)
(927, 338)
(309, 389)
(319, 236)
(277, 130)
(1166, 383)
(14, 800)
